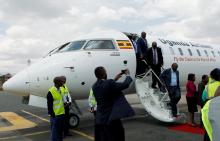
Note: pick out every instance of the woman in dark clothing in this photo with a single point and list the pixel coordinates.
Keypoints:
(191, 98)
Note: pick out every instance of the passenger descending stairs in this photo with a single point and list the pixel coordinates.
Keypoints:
(155, 102)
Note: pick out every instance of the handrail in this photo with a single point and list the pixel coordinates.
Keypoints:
(146, 74)
(152, 72)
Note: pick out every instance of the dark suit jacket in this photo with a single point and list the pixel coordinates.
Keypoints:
(142, 47)
(111, 103)
(150, 56)
(166, 77)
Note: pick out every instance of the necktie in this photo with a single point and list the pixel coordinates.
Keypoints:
(154, 57)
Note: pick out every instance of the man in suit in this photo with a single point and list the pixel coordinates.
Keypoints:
(170, 78)
(139, 68)
(111, 106)
(155, 60)
(142, 45)
(141, 53)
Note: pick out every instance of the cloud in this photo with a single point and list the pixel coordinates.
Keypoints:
(29, 29)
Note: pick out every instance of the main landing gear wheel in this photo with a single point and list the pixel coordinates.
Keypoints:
(74, 120)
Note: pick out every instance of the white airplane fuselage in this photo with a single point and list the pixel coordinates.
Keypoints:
(78, 65)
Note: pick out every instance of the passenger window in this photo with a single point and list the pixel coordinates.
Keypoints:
(213, 53)
(99, 44)
(181, 52)
(190, 52)
(206, 53)
(172, 51)
(76, 45)
(219, 53)
(198, 52)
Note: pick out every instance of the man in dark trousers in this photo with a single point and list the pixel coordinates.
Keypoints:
(111, 106)
(141, 54)
(56, 110)
(155, 60)
(67, 100)
(170, 78)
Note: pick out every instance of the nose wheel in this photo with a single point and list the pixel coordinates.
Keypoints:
(74, 120)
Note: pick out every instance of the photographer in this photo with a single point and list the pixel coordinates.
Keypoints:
(111, 105)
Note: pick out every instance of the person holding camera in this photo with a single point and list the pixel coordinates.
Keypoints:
(111, 105)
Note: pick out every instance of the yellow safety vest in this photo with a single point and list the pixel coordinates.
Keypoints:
(58, 106)
(92, 100)
(212, 88)
(64, 90)
(205, 119)
(211, 118)
(210, 80)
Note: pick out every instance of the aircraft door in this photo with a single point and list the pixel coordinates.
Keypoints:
(105, 53)
(127, 56)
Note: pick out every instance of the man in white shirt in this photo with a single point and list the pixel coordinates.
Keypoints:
(170, 78)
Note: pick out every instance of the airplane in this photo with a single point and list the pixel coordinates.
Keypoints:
(113, 50)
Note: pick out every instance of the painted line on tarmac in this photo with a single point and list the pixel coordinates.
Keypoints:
(25, 135)
(73, 130)
(43, 119)
(82, 134)
(17, 122)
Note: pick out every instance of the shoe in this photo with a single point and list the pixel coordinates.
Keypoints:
(154, 87)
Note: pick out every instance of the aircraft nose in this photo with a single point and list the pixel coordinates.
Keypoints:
(18, 84)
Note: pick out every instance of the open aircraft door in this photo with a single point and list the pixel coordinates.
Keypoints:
(155, 101)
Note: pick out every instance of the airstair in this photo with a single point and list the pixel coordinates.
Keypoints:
(155, 101)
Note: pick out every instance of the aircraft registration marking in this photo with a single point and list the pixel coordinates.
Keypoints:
(124, 44)
(17, 122)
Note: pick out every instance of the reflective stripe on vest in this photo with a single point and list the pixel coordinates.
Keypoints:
(211, 118)
(58, 106)
(212, 88)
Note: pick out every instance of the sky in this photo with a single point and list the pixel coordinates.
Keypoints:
(31, 28)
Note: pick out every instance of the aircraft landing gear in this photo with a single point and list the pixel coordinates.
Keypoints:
(74, 115)
(74, 120)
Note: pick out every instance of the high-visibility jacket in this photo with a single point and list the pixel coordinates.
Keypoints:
(92, 100)
(58, 106)
(64, 90)
(65, 93)
(210, 80)
(211, 118)
(211, 89)
(205, 95)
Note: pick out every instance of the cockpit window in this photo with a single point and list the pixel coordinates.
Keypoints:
(76, 45)
(99, 44)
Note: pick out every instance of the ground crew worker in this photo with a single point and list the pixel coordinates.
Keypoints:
(93, 107)
(211, 118)
(211, 90)
(67, 103)
(92, 102)
(56, 110)
(212, 85)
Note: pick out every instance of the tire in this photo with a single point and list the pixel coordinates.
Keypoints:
(74, 120)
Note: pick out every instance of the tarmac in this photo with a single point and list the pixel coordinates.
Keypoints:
(19, 122)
